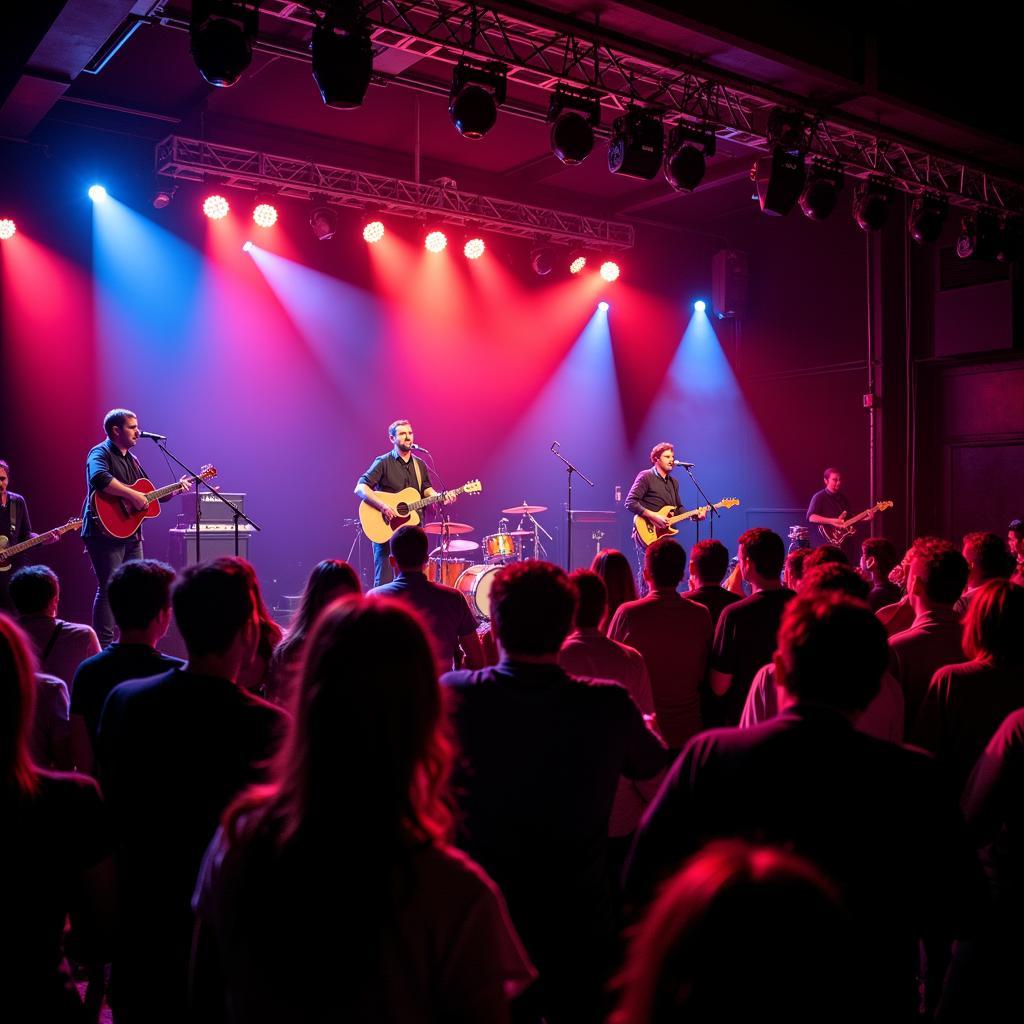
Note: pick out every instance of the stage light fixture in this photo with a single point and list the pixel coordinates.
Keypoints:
(8, 229)
(603, 306)
(780, 176)
(373, 232)
(222, 33)
(700, 306)
(577, 262)
(478, 89)
(979, 237)
(342, 55)
(821, 192)
(97, 193)
(247, 246)
(573, 115)
(686, 155)
(436, 241)
(216, 207)
(264, 212)
(610, 271)
(637, 144)
(163, 197)
(871, 203)
(542, 260)
(474, 249)
(927, 217)
(323, 222)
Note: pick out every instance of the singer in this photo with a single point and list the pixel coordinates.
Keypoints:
(393, 472)
(110, 467)
(653, 490)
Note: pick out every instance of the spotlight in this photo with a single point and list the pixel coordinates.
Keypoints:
(264, 213)
(324, 222)
(247, 246)
(222, 33)
(216, 207)
(979, 237)
(577, 262)
(342, 55)
(573, 115)
(603, 306)
(637, 143)
(927, 217)
(542, 260)
(610, 271)
(7, 229)
(373, 232)
(478, 89)
(685, 157)
(780, 177)
(871, 204)
(436, 241)
(162, 198)
(473, 249)
(97, 193)
(699, 306)
(821, 193)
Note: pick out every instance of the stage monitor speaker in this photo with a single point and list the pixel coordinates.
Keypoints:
(729, 279)
(217, 542)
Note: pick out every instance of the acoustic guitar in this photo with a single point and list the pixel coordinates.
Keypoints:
(406, 504)
(837, 534)
(8, 552)
(649, 533)
(120, 520)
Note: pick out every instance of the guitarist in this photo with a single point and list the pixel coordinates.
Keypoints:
(111, 468)
(829, 507)
(393, 472)
(652, 490)
(15, 526)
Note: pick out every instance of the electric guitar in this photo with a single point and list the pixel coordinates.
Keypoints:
(649, 533)
(7, 553)
(120, 520)
(837, 534)
(406, 504)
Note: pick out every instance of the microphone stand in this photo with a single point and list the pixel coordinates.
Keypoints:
(712, 512)
(570, 469)
(445, 535)
(236, 512)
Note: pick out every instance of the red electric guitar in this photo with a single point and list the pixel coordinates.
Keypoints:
(120, 520)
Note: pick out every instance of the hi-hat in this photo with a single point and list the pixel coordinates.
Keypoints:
(455, 545)
(525, 510)
(453, 529)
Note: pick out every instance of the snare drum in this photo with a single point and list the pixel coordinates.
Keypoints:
(499, 547)
(475, 585)
(453, 569)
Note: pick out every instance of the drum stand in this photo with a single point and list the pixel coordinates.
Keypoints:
(538, 548)
(356, 547)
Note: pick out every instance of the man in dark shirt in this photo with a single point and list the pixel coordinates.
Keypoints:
(449, 621)
(830, 507)
(172, 752)
(111, 468)
(15, 527)
(878, 558)
(392, 472)
(140, 598)
(542, 753)
(709, 562)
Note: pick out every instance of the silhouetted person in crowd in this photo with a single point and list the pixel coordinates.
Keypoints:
(172, 752)
(1015, 542)
(899, 615)
(674, 636)
(54, 860)
(988, 558)
(614, 568)
(542, 753)
(878, 558)
(873, 815)
(255, 676)
(328, 580)
(793, 568)
(331, 892)
(709, 562)
(140, 600)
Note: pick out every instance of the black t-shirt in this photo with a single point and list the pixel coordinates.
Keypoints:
(715, 598)
(98, 675)
(391, 473)
(829, 505)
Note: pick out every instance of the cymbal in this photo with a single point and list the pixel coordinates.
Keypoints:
(525, 510)
(454, 529)
(519, 533)
(455, 545)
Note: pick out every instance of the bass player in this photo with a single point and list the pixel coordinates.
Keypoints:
(830, 507)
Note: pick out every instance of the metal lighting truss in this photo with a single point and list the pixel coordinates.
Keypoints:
(542, 49)
(193, 160)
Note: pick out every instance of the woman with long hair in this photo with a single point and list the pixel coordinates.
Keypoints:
(614, 568)
(54, 859)
(332, 888)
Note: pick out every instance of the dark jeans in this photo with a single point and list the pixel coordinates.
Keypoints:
(107, 555)
(641, 555)
(382, 571)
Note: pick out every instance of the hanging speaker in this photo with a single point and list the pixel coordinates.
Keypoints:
(729, 279)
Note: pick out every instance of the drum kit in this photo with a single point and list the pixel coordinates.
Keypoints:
(451, 562)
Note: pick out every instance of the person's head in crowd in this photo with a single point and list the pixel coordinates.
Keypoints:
(17, 707)
(409, 548)
(592, 598)
(832, 578)
(742, 933)
(827, 554)
(396, 725)
(664, 563)
(878, 558)
(614, 568)
(762, 554)
(793, 568)
(1015, 538)
(937, 574)
(709, 562)
(328, 580)
(532, 609)
(994, 624)
(254, 674)
(831, 651)
(988, 558)
(35, 590)
(140, 598)
(216, 614)
(901, 572)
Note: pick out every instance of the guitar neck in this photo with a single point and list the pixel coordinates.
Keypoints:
(25, 545)
(690, 514)
(424, 502)
(163, 492)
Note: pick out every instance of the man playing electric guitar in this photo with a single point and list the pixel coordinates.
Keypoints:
(393, 472)
(830, 507)
(652, 490)
(15, 528)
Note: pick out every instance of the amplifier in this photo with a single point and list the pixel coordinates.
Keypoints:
(215, 541)
(210, 509)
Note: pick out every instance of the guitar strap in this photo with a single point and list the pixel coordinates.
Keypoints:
(419, 475)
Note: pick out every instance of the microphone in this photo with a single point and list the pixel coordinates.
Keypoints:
(152, 436)
(555, 446)
(419, 448)
(685, 465)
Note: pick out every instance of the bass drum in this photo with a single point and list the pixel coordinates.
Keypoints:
(453, 568)
(475, 585)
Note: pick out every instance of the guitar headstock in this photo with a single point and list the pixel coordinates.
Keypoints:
(729, 502)
(72, 524)
(473, 487)
(207, 471)
(883, 505)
